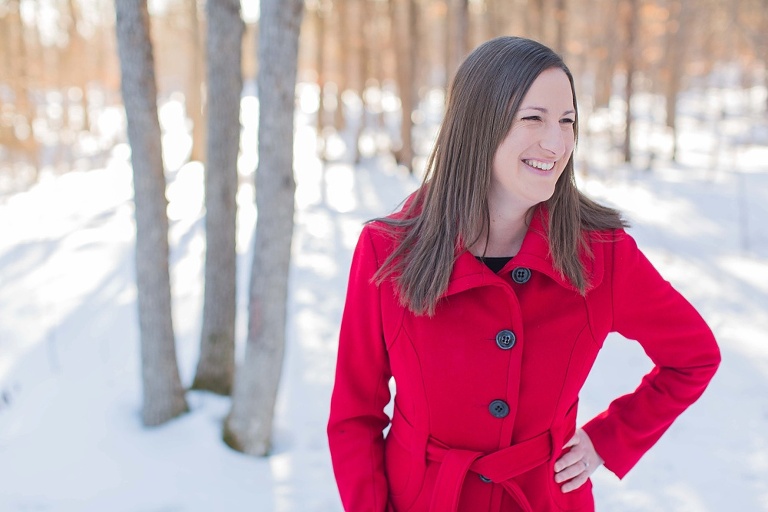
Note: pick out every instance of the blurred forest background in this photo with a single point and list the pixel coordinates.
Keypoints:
(671, 93)
(60, 76)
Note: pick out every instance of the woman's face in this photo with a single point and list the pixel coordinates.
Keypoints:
(534, 153)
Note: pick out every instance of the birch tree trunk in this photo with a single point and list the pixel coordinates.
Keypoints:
(248, 427)
(163, 395)
(216, 366)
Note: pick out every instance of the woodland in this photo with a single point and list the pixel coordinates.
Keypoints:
(75, 73)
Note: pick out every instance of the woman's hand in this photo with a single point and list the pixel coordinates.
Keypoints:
(575, 466)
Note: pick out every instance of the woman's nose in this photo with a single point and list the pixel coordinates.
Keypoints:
(553, 139)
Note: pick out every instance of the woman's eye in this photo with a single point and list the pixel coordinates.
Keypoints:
(531, 118)
(568, 121)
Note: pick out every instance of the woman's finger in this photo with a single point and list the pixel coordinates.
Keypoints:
(575, 483)
(568, 459)
(570, 472)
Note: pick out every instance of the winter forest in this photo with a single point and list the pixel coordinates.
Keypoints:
(182, 184)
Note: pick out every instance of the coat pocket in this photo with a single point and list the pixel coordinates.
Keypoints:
(581, 498)
(405, 464)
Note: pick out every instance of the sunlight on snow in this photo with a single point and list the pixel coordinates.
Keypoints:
(185, 193)
(685, 499)
(648, 206)
(176, 139)
(308, 96)
(750, 270)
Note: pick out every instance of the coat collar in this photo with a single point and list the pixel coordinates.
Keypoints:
(534, 254)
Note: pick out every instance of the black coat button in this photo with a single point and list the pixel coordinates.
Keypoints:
(506, 339)
(521, 275)
(485, 479)
(499, 409)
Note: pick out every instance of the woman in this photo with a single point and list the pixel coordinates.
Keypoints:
(487, 298)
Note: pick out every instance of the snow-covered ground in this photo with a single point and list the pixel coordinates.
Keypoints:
(70, 433)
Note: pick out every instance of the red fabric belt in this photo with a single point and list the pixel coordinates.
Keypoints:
(499, 467)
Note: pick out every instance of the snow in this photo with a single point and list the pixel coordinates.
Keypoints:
(70, 432)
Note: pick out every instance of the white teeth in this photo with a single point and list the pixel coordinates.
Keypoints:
(539, 165)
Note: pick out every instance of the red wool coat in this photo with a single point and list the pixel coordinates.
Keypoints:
(488, 388)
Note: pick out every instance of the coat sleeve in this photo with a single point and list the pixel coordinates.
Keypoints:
(685, 355)
(361, 390)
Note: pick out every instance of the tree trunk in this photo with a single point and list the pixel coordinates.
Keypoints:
(163, 395)
(535, 20)
(320, 20)
(458, 34)
(195, 100)
(632, 14)
(404, 26)
(676, 48)
(25, 108)
(605, 53)
(342, 71)
(499, 13)
(248, 427)
(216, 366)
(361, 67)
(561, 20)
(81, 50)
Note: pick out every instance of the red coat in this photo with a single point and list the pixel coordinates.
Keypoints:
(488, 388)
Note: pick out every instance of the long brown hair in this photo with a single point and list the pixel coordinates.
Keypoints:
(449, 212)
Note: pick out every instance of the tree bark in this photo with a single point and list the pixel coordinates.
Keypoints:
(248, 427)
(195, 100)
(22, 85)
(79, 48)
(163, 395)
(676, 50)
(535, 20)
(361, 67)
(458, 34)
(216, 366)
(632, 14)
(404, 31)
(561, 21)
(341, 10)
(321, 15)
(605, 52)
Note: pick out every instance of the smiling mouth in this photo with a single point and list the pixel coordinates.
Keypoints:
(537, 164)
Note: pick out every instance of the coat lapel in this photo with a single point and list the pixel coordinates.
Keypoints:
(534, 254)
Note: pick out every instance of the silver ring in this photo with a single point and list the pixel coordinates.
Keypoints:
(586, 464)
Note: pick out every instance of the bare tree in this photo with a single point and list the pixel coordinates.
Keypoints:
(406, 47)
(194, 100)
(79, 50)
(457, 44)
(248, 427)
(163, 395)
(631, 19)
(561, 20)
(357, 36)
(340, 11)
(321, 14)
(216, 366)
(676, 57)
(22, 86)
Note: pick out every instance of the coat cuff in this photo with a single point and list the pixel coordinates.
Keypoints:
(607, 441)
